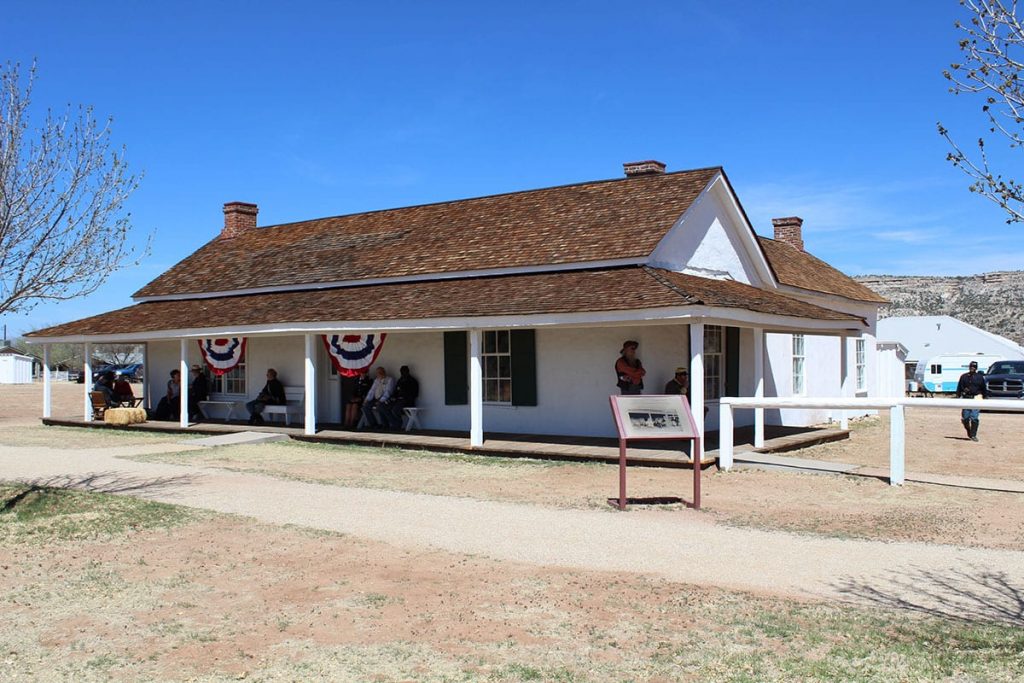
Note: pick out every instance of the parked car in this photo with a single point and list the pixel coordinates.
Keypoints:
(1005, 379)
(131, 371)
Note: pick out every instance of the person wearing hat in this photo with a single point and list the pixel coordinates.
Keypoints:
(198, 390)
(971, 385)
(679, 384)
(629, 371)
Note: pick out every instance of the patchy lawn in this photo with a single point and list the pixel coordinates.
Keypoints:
(97, 587)
(820, 504)
(80, 437)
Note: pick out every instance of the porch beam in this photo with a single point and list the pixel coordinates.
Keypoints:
(184, 377)
(697, 382)
(476, 390)
(758, 386)
(310, 385)
(47, 401)
(87, 380)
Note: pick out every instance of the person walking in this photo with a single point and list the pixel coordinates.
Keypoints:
(971, 385)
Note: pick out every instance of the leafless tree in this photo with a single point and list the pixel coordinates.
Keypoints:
(63, 225)
(992, 38)
(119, 354)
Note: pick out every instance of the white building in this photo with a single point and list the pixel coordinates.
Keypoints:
(15, 367)
(928, 336)
(511, 309)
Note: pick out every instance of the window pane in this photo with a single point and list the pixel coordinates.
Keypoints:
(505, 367)
(503, 341)
(713, 339)
(505, 391)
(798, 344)
(798, 376)
(491, 390)
(490, 345)
(490, 366)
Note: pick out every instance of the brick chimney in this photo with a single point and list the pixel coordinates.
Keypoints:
(239, 217)
(638, 168)
(788, 230)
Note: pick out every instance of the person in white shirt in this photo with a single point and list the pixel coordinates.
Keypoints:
(375, 407)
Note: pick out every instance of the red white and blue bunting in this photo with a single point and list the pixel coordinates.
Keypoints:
(222, 355)
(351, 354)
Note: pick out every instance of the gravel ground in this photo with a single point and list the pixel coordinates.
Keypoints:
(682, 546)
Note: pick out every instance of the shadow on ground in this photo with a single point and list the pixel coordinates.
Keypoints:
(970, 594)
(98, 482)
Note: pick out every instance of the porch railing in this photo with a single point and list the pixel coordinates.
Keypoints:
(895, 406)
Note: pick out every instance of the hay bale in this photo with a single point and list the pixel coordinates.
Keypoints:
(124, 416)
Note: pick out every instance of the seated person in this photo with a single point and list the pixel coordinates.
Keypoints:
(360, 386)
(169, 407)
(679, 384)
(407, 389)
(123, 390)
(102, 385)
(198, 390)
(377, 400)
(272, 393)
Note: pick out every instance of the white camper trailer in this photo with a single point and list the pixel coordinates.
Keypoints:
(940, 374)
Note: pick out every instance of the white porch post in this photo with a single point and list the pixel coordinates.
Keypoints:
(87, 380)
(758, 386)
(697, 379)
(310, 398)
(46, 380)
(476, 391)
(145, 378)
(844, 378)
(183, 369)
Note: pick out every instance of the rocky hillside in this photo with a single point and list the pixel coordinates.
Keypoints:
(991, 301)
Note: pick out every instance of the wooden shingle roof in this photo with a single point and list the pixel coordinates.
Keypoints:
(611, 289)
(797, 268)
(610, 219)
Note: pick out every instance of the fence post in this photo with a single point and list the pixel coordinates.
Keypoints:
(724, 436)
(897, 445)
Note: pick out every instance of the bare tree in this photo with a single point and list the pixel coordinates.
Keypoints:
(119, 354)
(63, 226)
(992, 37)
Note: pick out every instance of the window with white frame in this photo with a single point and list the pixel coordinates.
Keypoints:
(497, 367)
(799, 381)
(714, 355)
(231, 382)
(860, 356)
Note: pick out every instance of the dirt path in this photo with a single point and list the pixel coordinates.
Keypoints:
(679, 546)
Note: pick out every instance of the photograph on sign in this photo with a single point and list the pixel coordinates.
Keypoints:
(653, 416)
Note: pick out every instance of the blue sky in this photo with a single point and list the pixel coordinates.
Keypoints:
(825, 110)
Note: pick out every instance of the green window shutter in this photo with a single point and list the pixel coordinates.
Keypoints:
(732, 361)
(456, 369)
(522, 344)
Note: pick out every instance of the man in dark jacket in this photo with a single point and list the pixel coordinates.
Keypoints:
(272, 393)
(407, 390)
(971, 385)
(198, 390)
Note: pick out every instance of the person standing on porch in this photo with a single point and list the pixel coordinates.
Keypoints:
(971, 385)
(376, 404)
(629, 371)
(272, 393)
(198, 390)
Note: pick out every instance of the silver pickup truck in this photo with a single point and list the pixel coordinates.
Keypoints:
(1005, 379)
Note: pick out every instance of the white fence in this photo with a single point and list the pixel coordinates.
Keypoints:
(895, 406)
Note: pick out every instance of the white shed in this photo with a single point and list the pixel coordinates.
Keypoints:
(15, 368)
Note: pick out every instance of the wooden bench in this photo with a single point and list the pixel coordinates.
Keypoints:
(229, 407)
(295, 398)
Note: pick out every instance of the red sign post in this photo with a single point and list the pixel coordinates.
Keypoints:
(655, 418)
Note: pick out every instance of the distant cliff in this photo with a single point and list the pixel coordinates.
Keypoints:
(991, 301)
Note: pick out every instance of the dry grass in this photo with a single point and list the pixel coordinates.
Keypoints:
(183, 596)
(819, 504)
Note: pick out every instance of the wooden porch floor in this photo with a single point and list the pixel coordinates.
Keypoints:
(570, 448)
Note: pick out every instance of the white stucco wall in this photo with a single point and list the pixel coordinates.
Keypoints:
(707, 242)
(15, 369)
